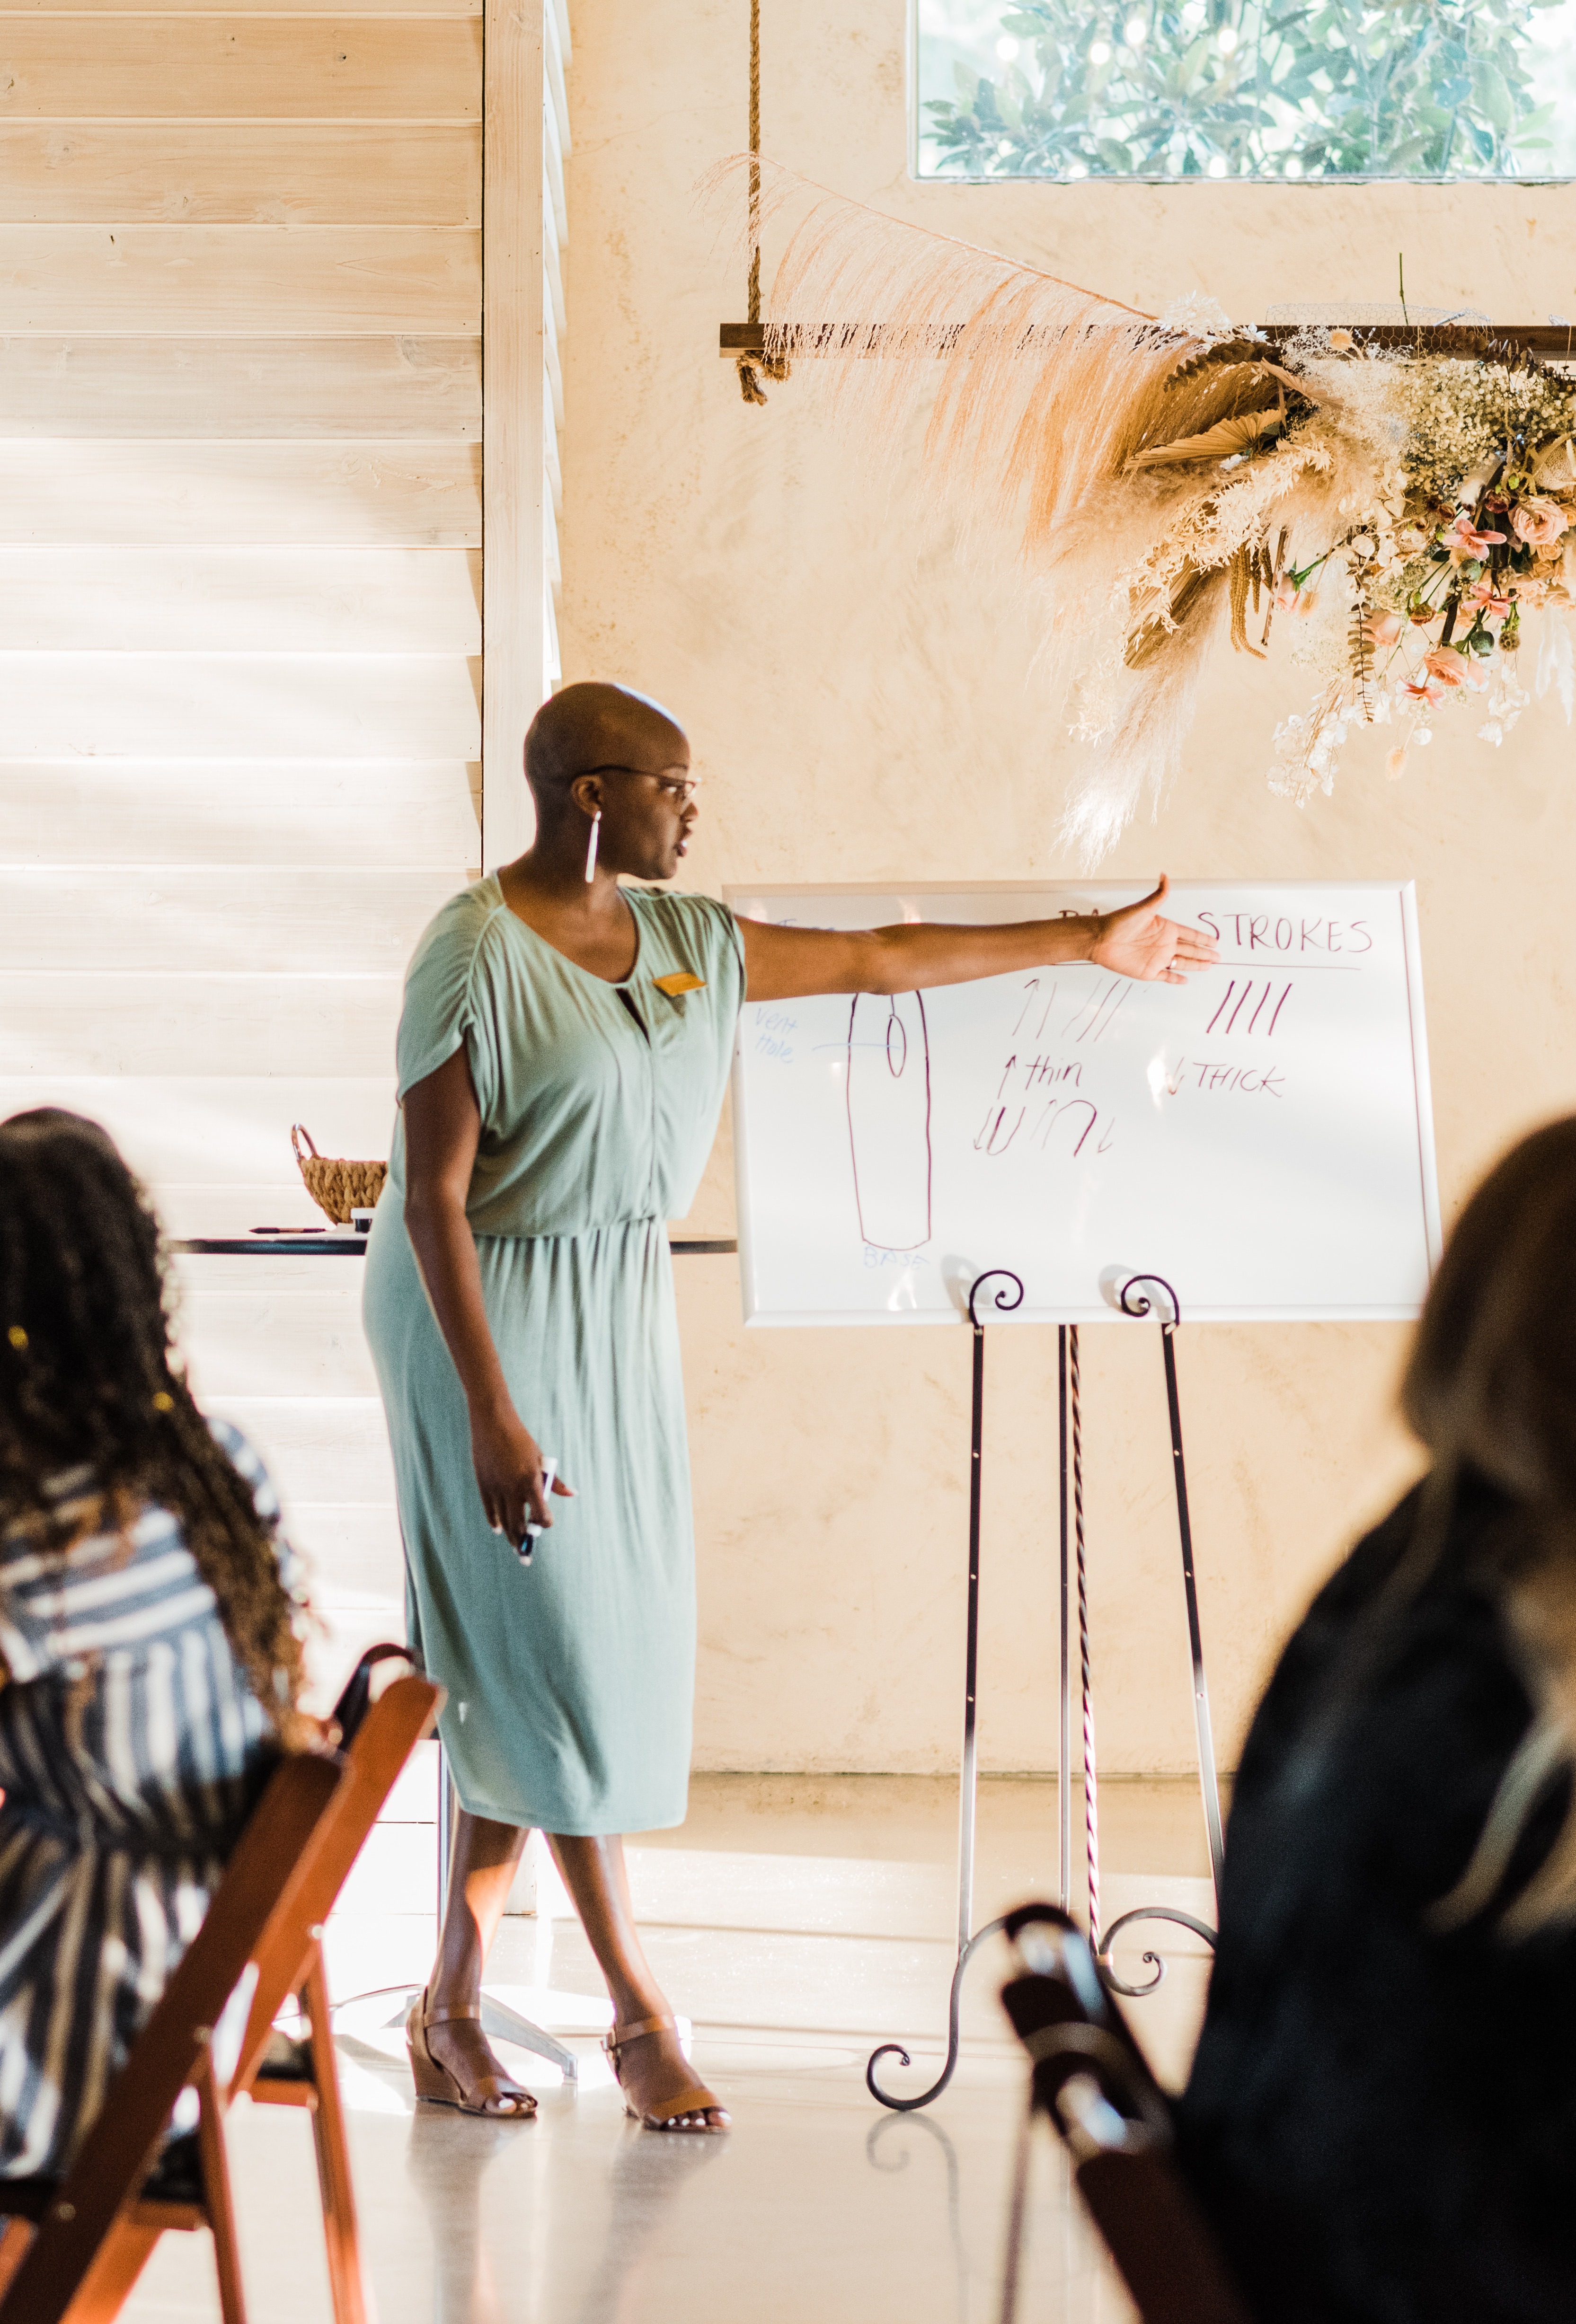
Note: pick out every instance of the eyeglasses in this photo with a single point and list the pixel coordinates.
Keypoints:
(681, 789)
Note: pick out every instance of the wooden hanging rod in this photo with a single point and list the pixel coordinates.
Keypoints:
(1556, 342)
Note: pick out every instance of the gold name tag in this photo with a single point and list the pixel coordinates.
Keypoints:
(683, 980)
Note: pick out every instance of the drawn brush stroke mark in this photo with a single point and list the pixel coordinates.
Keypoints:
(1031, 994)
(1243, 1000)
(888, 1085)
(1100, 1023)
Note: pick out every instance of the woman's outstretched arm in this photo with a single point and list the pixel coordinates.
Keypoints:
(442, 1131)
(788, 964)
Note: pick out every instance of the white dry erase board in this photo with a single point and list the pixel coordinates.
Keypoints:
(1262, 1137)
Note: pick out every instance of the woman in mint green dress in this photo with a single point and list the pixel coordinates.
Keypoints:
(563, 1051)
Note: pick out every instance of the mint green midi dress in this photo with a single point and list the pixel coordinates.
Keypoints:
(570, 1681)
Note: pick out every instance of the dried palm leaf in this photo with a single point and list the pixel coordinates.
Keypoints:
(1043, 390)
(1045, 399)
(1224, 351)
(1217, 443)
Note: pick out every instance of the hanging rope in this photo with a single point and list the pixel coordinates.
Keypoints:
(753, 367)
(754, 295)
(1091, 1810)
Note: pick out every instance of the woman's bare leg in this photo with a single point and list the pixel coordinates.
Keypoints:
(653, 2067)
(481, 1872)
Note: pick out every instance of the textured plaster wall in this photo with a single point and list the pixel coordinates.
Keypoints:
(861, 704)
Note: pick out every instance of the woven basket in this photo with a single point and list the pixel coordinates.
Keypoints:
(335, 1185)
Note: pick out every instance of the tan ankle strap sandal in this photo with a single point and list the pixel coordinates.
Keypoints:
(668, 2114)
(493, 2095)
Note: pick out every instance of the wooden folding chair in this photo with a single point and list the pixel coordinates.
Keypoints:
(78, 2244)
(190, 2188)
(1091, 2078)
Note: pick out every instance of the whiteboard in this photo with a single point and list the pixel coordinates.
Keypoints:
(1262, 1137)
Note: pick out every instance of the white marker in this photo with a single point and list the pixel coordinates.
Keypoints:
(548, 1472)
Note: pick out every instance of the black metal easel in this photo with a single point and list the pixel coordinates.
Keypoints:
(1005, 1301)
(1134, 1302)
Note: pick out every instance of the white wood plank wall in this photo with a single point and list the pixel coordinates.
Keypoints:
(242, 308)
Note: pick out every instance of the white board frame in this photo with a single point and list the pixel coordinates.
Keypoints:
(1097, 895)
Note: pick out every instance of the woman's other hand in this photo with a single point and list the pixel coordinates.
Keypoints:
(1136, 942)
(511, 1474)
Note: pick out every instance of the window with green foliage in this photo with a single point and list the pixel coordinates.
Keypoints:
(1247, 88)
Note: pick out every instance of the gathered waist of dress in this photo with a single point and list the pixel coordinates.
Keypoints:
(644, 1223)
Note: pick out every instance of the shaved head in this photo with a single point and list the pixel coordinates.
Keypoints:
(594, 725)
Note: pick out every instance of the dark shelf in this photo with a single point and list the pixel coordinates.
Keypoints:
(348, 1246)
(285, 1246)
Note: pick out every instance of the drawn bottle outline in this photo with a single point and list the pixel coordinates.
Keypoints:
(887, 1085)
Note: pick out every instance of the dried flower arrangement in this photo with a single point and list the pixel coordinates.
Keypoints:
(1402, 512)
(1434, 571)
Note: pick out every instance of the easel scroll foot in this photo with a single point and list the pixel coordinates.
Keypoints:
(897, 2050)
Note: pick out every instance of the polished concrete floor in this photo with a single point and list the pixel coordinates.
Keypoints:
(796, 1923)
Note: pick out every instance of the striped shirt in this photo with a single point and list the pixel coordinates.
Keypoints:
(131, 1751)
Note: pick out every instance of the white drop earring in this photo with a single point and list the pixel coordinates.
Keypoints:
(591, 847)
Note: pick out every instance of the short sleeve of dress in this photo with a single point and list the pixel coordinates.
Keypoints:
(714, 934)
(439, 1011)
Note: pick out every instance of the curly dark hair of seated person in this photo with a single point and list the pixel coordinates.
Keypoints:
(86, 1379)
(1492, 1389)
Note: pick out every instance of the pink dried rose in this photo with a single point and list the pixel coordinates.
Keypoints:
(1384, 629)
(1539, 522)
(1289, 599)
(1463, 542)
(1445, 667)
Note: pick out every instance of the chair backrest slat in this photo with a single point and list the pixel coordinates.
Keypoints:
(1073, 2026)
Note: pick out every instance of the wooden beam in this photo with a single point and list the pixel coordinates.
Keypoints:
(288, 706)
(335, 282)
(268, 389)
(403, 494)
(222, 68)
(82, 599)
(249, 9)
(240, 173)
(514, 626)
(199, 921)
(141, 1021)
(1552, 341)
(398, 812)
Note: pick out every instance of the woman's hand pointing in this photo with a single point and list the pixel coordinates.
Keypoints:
(1136, 942)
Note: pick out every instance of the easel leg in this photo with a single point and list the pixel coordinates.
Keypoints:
(1135, 1301)
(1064, 1753)
(968, 1788)
(970, 1783)
(1091, 1797)
(1208, 1783)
